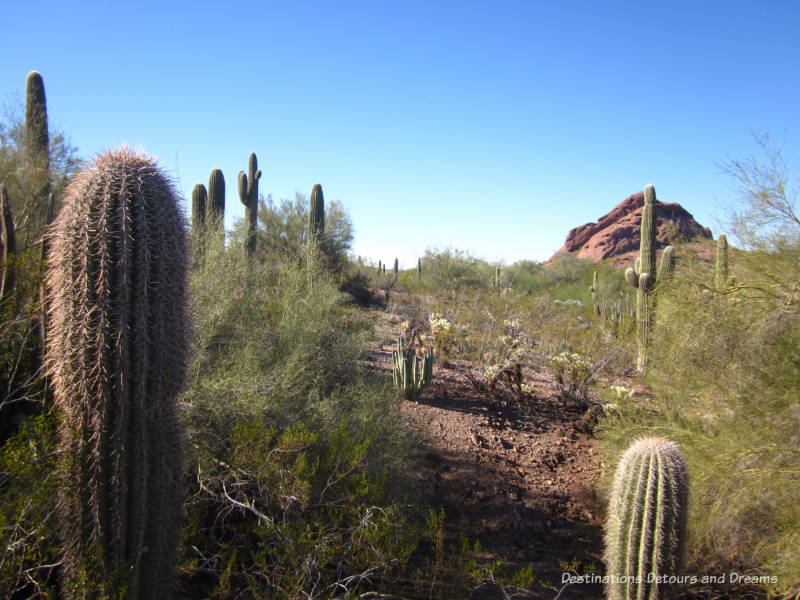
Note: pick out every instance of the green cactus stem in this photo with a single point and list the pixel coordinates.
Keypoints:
(248, 194)
(396, 268)
(199, 201)
(116, 355)
(721, 265)
(410, 379)
(37, 138)
(646, 527)
(316, 214)
(643, 321)
(379, 267)
(215, 203)
(8, 246)
(667, 268)
(419, 268)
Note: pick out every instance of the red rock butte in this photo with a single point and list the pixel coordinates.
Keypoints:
(617, 232)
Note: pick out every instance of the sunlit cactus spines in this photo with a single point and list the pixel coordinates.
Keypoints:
(248, 194)
(410, 376)
(721, 264)
(646, 527)
(667, 267)
(215, 203)
(8, 246)
(116, 357)
(316, 214)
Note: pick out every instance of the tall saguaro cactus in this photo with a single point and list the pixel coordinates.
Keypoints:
(646, 265)
(646, 527)
(37, 154)
(215, 203)
(316, 214)
(248, 194)
(116, 355)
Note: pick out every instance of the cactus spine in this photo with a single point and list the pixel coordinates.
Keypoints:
(646, 529)
(409, 378)
(248, 194)
(116, 354)
(645, 264)
(215, 203)
(8, 245)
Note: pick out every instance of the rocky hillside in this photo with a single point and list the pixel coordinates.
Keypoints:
(617, 232)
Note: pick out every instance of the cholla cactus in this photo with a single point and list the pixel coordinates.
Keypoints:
(116, 354)
(646, 528)
(409, 379)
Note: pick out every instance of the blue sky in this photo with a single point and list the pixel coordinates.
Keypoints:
(493, 127)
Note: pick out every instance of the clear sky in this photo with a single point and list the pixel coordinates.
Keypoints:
(493, 127)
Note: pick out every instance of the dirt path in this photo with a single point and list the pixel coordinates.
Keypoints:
(518, 478)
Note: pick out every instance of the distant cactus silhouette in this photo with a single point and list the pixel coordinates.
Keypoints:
(419, 268)
(396, 268)
(248, 194)
(646, 528)
(116, 355)
(199, 200)
(721, 279)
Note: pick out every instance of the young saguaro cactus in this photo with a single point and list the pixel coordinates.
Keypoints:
(646, 265)
(248, 194)
(721, 279)
(215, 203)
(409, 378)
(116, 355)
(37, 138)
(646, 527)
(419, 268)
(316, 214)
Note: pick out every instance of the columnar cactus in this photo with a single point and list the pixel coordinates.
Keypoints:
(419, 268)
(8, 245)
(248, 194)
(116, 355)
(37, 138)
(646, 528)
(646, 264)
(497, 277)
(721, 265)
(316, 214)
(593, 290)
(396, 268)
(215, 203)
(199, 200)
(379, 267)
(409, 378)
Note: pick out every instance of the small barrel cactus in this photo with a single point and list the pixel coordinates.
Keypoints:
(646, 528)
(116, 355)
(409, 378)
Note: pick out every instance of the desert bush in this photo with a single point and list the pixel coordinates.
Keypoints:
(294, 449)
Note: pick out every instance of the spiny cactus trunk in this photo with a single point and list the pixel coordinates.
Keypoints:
(647, 245)
(199, 202)
(396, 268)
(8, 241)
(646, 527)
(643, 321)
(316, 214)
(248, 194)
(116, 356)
